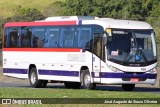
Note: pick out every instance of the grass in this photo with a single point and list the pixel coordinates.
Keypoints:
(6, 92)
(8, 7)
(0, 57)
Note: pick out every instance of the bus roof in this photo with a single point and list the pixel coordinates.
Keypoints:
(124, 24)
(83, 20)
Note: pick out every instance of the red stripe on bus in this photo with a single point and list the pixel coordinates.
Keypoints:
(43, 49)
(51, 23)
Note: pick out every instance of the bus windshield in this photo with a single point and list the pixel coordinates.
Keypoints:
(131, 47)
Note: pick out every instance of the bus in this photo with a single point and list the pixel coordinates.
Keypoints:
(81, 50)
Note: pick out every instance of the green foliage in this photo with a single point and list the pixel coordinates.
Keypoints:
(54, 9)
(154, 17)
(8, 7)
(28, 14)
(84, 7)
(24, 14)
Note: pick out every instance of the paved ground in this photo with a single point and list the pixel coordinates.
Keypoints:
(20, 83)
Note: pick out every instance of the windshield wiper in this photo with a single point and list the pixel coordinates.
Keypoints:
(143, 55)
(139, 49)
(134, 50)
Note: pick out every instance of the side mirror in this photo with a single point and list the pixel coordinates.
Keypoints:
(109, 34)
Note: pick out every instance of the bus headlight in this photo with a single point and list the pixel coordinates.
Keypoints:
(154, 70)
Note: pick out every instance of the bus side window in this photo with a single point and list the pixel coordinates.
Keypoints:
(35, 42)
(84, 37)
(77, 31)
(26, 38)
(53, 37)
(13, 38)
(68, 37)
(6, 37)
(38, 39)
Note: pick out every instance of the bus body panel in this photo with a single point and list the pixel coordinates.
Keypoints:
(55, 67)
(52, 68)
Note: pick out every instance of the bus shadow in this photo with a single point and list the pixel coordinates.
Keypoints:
(114, 88)
(57, 86)
(98, 87)
(137, 89)
(147, 89)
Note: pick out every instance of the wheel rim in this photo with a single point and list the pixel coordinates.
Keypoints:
(33, 78)
(87, 80)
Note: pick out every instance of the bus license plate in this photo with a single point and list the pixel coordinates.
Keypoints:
(134, 79)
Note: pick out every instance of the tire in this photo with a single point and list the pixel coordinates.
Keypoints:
(128, 87)
(86, 80)
(73, 85)
(33, 79)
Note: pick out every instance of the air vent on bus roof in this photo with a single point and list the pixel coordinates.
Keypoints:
(86, 17)
(60, 18)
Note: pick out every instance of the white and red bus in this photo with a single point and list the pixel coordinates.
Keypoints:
(81, 50)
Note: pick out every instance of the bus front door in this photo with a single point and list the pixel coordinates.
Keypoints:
(96, 57)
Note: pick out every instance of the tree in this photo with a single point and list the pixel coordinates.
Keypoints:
(54, 9)
(27, 14)
(78, 7)
(154, 16)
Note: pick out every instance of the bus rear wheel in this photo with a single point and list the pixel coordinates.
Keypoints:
(128, 87)
(86, 80)
(33, 79)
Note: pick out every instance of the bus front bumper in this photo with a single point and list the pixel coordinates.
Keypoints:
(128, 78)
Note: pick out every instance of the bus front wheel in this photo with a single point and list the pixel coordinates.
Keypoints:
(128, 87)
(86, 80)
(33, 79)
